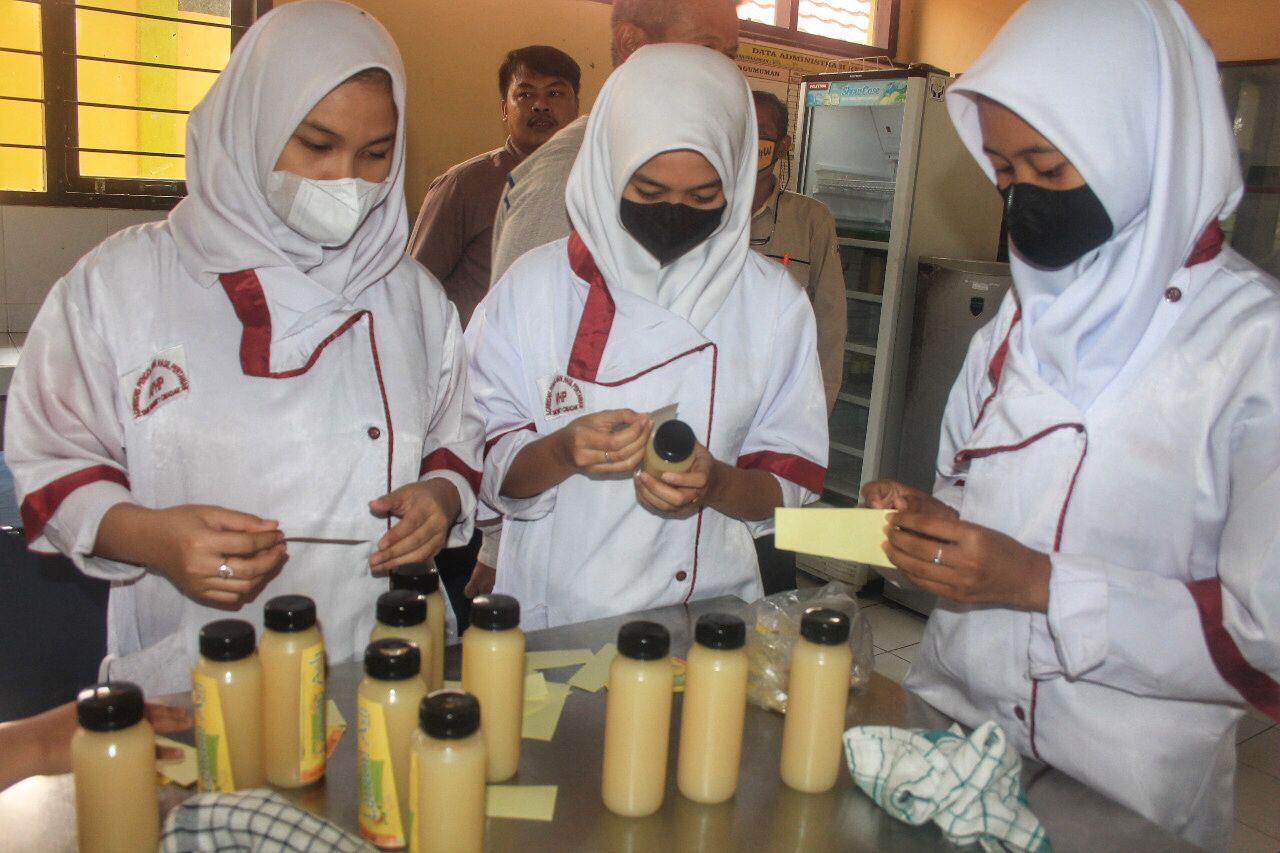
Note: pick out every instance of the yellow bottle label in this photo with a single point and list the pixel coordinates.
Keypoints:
(212, 756)
(311, 749)
(414, 846)
(379, 806)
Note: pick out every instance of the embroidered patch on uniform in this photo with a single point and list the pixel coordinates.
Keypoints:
(562, 396)
(158, 383)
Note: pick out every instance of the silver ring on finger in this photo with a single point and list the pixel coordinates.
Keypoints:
(607, 459)
(226, 572)
(937, 556)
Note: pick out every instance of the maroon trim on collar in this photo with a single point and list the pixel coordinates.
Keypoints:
(39, 506)
(1208, 246)
(250, 304)
(1257, 688)
(597, 316)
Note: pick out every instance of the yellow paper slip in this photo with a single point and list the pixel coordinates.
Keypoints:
(521, 802)
(534, 661)
(540, 720)
(594, 675)
(535, 687)
(843, 534)
(334, 726)
(181, 771)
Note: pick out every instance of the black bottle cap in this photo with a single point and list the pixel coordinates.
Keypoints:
(720, 631)
(674, 441)
(110, 706)
(392, 660)
(495, 612)
(449, 714)
(824, 627)
(227, 640)
(643, 640)
(422, 578)
(289, 613)
(401, 608)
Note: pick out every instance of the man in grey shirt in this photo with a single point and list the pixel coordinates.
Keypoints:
(532, 210)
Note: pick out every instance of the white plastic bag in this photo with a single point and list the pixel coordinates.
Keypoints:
(775, 630)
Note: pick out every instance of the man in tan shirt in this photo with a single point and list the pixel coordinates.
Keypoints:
(799, 233)
(453, 237)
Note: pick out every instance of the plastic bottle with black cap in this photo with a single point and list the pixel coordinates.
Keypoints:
(113, 757)
(293, 692)
(493, 672)
(387, 703)
(423, 579)
(670, 449)
(402, 614)
(714, 711)
(817, 696)
(637, 721)
(226, 698)
(449, 769)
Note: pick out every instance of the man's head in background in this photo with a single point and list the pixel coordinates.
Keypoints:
(773, 122)
(710, 23)
(539, 87)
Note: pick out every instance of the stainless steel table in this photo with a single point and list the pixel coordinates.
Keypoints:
(765, 814)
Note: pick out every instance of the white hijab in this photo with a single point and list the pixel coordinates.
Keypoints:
(668, 97)
(285, 64)
(1135, 104)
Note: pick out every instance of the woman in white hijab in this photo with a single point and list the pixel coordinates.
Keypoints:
(1103, 531)
(265, 364)
(655, 300)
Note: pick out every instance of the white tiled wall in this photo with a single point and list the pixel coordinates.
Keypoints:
(39, 244)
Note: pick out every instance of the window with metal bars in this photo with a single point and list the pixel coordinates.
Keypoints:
(826, 23)
(94, 95)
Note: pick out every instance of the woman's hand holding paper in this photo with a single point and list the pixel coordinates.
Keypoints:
(967, 563)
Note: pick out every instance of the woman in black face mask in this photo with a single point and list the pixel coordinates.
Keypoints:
(1102, 535)
(654, 304)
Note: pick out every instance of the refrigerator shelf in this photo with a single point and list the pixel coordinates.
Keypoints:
(861, 350)
(861, 243)
(848, 183)
(864, 402)
(844, 448)
(863, 296)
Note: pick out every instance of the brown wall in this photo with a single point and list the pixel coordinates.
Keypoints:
(952, 33)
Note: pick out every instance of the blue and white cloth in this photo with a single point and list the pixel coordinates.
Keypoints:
(969, 786)
(256, 821)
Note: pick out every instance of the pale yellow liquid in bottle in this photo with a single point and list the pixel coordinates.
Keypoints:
(116, 806)
(239, 684)
(419, 635)
(655, 466)
(715, 704)
(399, 701)
(493, 672)
(451, 793)
(435, 625)
(289, 710)
(637, 726)
(817, 694)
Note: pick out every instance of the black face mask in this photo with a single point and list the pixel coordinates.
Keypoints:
(668, 230)
(1053, 228)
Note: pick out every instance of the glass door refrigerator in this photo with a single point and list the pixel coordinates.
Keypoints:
(878, 148)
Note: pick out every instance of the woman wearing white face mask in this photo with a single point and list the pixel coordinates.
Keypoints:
(655, 299)
(265, 363)
(1103, 531)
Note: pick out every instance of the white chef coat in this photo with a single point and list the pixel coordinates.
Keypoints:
(139, 385)
(552, 342)
(221, 357)
(1158, 507)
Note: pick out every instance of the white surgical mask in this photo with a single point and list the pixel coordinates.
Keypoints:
(328, 212)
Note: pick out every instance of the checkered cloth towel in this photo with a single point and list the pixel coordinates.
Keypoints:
(257, 821)
(969, 786)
